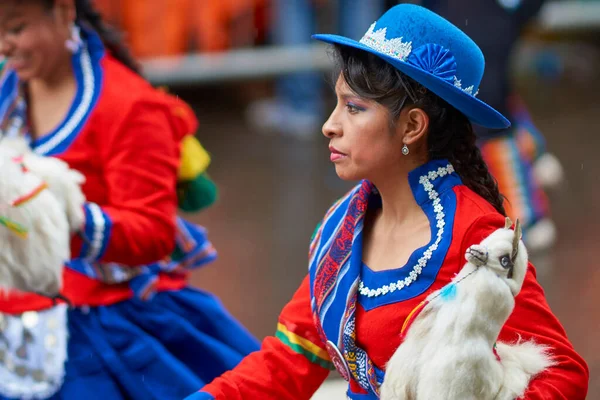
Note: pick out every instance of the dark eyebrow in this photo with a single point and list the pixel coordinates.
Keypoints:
(346, 94)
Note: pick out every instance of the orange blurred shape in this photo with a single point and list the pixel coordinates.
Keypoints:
(169, 27)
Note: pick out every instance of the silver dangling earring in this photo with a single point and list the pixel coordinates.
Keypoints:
(74, 43)
(405, 150)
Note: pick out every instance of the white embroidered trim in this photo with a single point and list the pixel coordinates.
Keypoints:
(468, 90)
(82, 109)
(33, 351)
(424, 180)
(393, 47)
(98, 235)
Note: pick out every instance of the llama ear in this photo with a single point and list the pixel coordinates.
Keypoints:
(516, 239)
(507, 223)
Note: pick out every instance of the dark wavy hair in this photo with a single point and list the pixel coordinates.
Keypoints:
(450, 136)
(112, 38)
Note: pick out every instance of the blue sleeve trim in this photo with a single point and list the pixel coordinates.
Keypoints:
(97, 230)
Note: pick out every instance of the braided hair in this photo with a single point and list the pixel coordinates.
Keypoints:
(88, 15)
(450, 135)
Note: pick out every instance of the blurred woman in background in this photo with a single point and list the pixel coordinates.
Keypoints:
(134, 330)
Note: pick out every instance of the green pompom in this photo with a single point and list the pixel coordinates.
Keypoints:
(197, 194)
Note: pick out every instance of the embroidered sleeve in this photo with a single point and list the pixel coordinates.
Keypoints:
(532, 319)
(289, 366)
(137, 225)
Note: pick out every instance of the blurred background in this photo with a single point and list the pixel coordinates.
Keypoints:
(238, 62)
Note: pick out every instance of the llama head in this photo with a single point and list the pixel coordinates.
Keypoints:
(62, 181)
(504, 253)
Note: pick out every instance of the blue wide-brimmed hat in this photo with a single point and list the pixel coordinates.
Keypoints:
(433, 52)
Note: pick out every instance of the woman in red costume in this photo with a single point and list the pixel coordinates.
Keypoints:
(134, 329)
(406, 101)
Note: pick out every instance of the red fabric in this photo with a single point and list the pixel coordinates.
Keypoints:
(129, 154)
(277, 373)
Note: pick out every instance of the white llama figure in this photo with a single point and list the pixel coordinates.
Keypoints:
(447, 352)
(40, 206)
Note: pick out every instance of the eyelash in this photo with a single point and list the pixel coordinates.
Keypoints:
(17, 29)
(353, 108)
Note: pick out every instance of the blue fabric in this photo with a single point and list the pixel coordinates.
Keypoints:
(9, 90)
(12, 105)
(89, 230)
(200, 396)
(332, 310)
(334, 269)
(193, 250)
(374, 279)
(435, 59)
(356, 396)
(89, 76)
(163, 349)
(196, 251)
(422, 29)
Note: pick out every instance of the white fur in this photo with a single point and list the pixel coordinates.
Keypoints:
(64, 182)
(521, 361)
(447, 352)
(35, 263)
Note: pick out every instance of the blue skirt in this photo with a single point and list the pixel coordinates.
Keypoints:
(165, 348)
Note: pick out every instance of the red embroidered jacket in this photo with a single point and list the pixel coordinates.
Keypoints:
(124, 136)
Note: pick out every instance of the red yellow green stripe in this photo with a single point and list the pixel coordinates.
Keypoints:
(29, 196)
(305, 347)
(14, 227)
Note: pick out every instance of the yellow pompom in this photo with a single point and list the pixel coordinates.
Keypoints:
(194, 159)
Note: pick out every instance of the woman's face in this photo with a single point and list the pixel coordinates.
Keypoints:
(363, 143)
(32, 38)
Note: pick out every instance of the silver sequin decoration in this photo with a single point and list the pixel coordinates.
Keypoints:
(376, 39)
(30, 319)
(33, 350)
